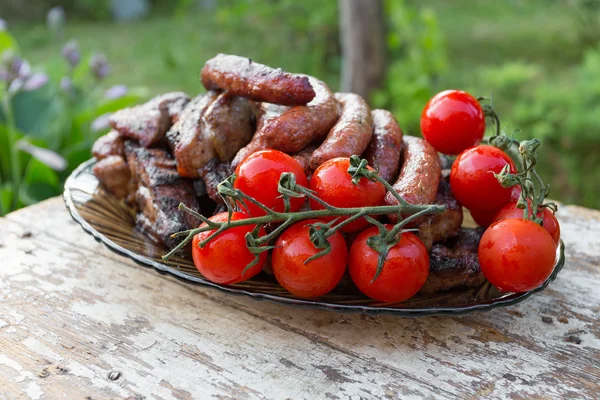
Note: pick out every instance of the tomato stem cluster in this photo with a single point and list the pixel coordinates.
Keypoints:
(534, 191)
(319, 232)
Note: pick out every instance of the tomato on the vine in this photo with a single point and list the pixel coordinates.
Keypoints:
(404, 272)
(472, 181)
(516, 255)
(315, 277)
(258, 177)
(452, 121)
(223, 258)
(483, 218)
(550, 223)
(332, 183)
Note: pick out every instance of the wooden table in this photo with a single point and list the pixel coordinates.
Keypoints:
(78, 321)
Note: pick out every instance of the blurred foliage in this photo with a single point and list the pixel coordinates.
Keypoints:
(538, 58)
(417, 49)
(47, 129)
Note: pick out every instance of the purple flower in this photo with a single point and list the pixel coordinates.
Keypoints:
(66, 84)
(35, 81)
(4, 74)
(15, 86)
(100, 123)
(2, 25)
(45, 156)
(24, 70)
(71, 53)
(99, 66)
(115, 92)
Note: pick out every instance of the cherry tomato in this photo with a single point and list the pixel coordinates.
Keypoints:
(483, 218)
(308, 279)
(258, 177)
(452, 121)
(403, 274)
(332, 183)
(223, 259)
(550, 223)
(472, 181)
(516, 255)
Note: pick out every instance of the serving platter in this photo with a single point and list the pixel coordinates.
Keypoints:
(112, 222)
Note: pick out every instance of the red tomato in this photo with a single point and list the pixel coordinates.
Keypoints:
(223, 259)
(550, 223)
(332, 183)
(452, 121)
(404, 272)
(483, 218)
(515, 192)
(308, 279)
(472, 181)
(258, 177)
(516, 255)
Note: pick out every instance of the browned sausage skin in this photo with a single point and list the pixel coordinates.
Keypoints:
(297, 127)
(385, 150)
(241, 76)
(303, 157)
(350, 135)
(419, 175)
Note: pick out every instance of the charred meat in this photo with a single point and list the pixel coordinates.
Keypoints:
(454, 264)
(440, 227)
(148, 122)
(159, 190)
(113, 174)
(110, 144)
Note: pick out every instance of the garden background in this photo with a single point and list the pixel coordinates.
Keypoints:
(67, 64)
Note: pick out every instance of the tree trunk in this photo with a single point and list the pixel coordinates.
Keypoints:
(363, 45)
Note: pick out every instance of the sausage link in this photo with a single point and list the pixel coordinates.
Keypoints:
(419, 175)
(350, 135)
(297, 127)
(303, 158)
(241, 76)
(385, 150)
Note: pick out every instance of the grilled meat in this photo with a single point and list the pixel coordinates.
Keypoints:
(229, 122)
(440, 227)
(113, 173)
(385, 150)
(192, 147)
(241, 76)
(351, 133)
(454, 264)
(212, 174)
(148, 122)
(159, 190)
(110, 144)
(303, 157)
(297, 127)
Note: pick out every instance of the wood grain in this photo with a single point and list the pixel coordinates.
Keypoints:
(73, 315)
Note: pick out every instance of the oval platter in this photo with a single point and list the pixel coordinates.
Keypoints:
(111, 222)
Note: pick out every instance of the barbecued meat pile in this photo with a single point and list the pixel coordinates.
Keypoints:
(176, 149)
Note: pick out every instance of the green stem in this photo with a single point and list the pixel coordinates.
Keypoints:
(292, 217)
(15, 165)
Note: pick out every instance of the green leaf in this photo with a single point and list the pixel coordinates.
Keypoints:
(5, 199)
(7, 42)
(39, 183)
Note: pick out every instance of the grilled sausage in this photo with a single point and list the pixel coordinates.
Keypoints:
(297, 127)
(228, 121)
(241, 76)
(419, 175)
(350, 135)
(303, 158)
(384, 151)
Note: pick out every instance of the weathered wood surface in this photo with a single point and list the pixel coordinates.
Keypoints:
(78, 321)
